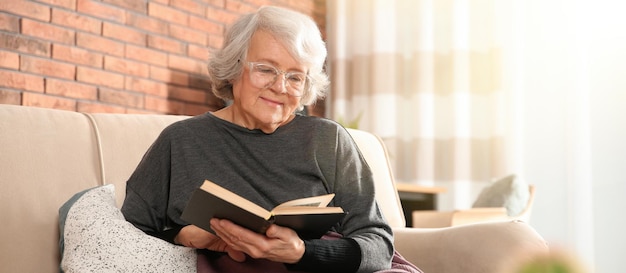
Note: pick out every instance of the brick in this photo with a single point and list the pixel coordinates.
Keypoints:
(198, 52)
(163, 105)
(100, 44)
(119, 97)
(9, 23)
(46, 101)
(202, 83)
(169, 76)
(305, 7)
(21, 81)
(96, 107)
(26, 9)
(190, 6)
(141, 21)
(67, 4)
(138, 6)
(167, 13)
(189, 35)
(196, 109)
(205, 25)
(76, 21)
(159, 73)
(99, 77)
(140, 111)
(24, 44)
(127, 67)
(215, 41)
(240, 7)
(221, 16)
(9, 60)
(47, 31)
(166, 44)
(47, 67)
(146, 86)
(164, 2)
(71, 89)
(217, 3)
(10, 97)
(123, 33)
(175, 57)
(100, 10)
(187, 64)
(146, 55)
(214, 102)
(77, 55)
(186, 94)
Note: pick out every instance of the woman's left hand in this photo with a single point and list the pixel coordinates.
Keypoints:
(279, 244)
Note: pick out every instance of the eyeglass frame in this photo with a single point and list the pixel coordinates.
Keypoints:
(285, 81)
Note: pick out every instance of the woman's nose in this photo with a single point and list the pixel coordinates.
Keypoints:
(280, 84)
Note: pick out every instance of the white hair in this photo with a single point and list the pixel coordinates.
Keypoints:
(296, 31)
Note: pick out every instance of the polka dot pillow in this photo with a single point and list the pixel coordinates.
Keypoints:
(95, 237)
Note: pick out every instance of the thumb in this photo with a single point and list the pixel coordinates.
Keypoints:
(273, 231)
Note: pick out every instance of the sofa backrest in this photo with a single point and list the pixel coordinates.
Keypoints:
(122, 150)
(45, 157)
(375, 153)
(123, 139)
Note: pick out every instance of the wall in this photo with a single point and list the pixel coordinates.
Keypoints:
(124, 56)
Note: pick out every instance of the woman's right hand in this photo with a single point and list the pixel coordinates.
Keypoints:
(195, 237)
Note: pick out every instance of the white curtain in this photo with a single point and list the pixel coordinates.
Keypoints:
(430, 78)
(464, 91)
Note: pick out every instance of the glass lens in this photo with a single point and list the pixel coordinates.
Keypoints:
(264, 75)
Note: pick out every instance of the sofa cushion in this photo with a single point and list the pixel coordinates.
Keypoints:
(124, 138)
(509, 192)
(95, 237)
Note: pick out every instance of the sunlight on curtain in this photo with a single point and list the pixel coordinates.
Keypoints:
(427, 76)
(463, 91)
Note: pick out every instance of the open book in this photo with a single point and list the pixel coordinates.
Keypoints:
(309, 217)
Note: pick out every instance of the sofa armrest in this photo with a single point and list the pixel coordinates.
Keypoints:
(484, 247)
(439, 219)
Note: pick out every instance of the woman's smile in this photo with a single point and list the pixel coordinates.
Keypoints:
(271, 102)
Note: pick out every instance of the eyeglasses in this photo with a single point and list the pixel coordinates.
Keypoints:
(264, 75)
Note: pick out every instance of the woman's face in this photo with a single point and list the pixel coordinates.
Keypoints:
(269, 107)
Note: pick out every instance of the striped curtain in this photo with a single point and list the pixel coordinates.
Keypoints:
(432, 79)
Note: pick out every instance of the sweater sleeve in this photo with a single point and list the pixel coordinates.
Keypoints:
(342, 255)
(350, 177)
(145, 204)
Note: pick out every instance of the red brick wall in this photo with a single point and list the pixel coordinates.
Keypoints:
(124, 56)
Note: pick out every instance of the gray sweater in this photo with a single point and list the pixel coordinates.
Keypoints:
(306, 157)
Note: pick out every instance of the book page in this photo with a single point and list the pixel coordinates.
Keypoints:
(296, 210)
(315, 201)
(235, 199)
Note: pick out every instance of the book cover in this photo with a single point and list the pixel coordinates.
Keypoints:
(309, 217)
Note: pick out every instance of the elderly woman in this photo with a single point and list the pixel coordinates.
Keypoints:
(270, 67)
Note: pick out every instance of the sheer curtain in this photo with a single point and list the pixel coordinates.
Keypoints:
(466, 91)
(429, 77)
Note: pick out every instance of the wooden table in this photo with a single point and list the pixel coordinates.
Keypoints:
(417, 197)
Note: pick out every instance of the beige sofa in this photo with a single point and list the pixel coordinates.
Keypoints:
(46, 156)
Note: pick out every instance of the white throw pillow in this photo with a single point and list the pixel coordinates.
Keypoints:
(509, 192)
(95, 237)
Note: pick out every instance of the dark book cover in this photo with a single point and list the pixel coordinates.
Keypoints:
(204, 205)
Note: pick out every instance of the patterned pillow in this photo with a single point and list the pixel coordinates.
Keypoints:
(509, 192)
(95, 237)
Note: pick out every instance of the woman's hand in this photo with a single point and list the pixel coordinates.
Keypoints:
(195, 237)
(280, 244)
